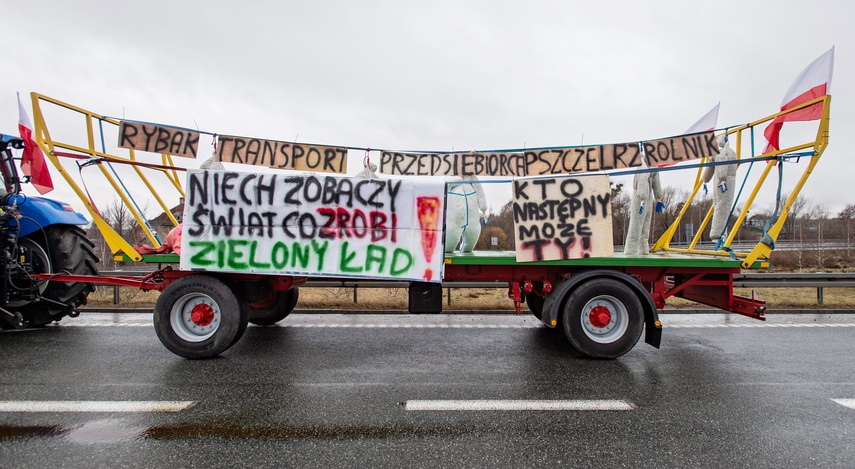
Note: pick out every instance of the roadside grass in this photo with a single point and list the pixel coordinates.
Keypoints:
(478, 299)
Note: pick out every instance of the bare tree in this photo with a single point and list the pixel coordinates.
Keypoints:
(504, 222)
(847, 212)
(845, 217)
(674, 200)
(485, 242)
(101, 250)
(791, 224)
(819, 213)
(119, 218)
(620, 216)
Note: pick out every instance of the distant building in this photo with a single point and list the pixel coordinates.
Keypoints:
(162, 224)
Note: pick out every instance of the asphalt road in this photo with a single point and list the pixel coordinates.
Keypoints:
(431, 391)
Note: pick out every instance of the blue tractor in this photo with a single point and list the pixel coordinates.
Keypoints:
(38, 236)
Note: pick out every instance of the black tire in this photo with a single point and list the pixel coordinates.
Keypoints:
(245, 313)
(535, 304)
(603, 318)
(198, 316)
(57, 249)
(277, 308)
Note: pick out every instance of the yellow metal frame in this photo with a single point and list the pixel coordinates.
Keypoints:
(763, 249)
(120, 247)
(51, 146)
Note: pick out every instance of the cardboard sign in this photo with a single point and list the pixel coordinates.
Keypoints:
(281, 155)
(313, 225)
(542, 162)
(673, 150)
(583, 159)
(562, 218)
(157, 139)
(452, 164)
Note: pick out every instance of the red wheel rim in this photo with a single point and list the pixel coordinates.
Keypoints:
(202, 315)
(600, 316)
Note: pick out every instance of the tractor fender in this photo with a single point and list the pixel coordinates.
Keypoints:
(554, 302)
(38, 213)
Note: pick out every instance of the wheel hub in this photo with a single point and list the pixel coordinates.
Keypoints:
(202, 315)
(600, 316)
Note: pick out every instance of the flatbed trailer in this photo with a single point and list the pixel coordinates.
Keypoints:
(601, 304)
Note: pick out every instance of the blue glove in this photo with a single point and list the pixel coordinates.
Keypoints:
(660, 207)
(641, 208)
(705, 190)
(722, 186)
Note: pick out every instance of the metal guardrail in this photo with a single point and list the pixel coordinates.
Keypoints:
(788, 279)
(818, 280)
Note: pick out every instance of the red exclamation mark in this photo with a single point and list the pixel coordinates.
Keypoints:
(428, 211)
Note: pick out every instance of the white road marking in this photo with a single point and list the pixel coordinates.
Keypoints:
(413, 326)
(508, 405)
(95, 406)
(846, 402)
(84, 323)
(469, 326)
(342, 326)
(745, 326)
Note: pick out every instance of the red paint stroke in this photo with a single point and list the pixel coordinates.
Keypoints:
(428, 212)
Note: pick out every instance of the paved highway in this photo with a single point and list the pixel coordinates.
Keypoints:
(431, 391)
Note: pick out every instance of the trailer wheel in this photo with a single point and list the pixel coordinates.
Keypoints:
(57, 248)
(603, 318)
(276, 308)
(198, 316)
(535, 304)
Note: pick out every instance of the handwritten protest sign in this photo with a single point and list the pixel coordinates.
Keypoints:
(566, 218)
(546, 161)
(452, 164)
(673, 150)
(281, 155)
(158, 139)
(582, 159)
(313, 225)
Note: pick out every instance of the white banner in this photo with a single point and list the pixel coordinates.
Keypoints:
(313, 225)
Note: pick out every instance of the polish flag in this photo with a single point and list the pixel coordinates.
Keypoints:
(705, 123)
(33, 162)
(812, 83)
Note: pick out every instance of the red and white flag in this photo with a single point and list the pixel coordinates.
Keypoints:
(705, 123)
(812, 83)
(33, 162)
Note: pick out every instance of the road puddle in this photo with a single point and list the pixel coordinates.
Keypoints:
(95, 432)
(117, 431)
(10, 432)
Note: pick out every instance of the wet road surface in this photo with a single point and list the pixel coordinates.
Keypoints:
(431, 391)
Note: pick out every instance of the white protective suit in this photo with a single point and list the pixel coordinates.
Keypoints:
(466, 201)
(368, 172)
(723, 192)
(212, 164)
(646, 195)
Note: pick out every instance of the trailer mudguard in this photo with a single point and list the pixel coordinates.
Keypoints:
(38, 213)
(556, 299)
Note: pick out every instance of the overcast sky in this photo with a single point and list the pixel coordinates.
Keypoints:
(433, 75)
